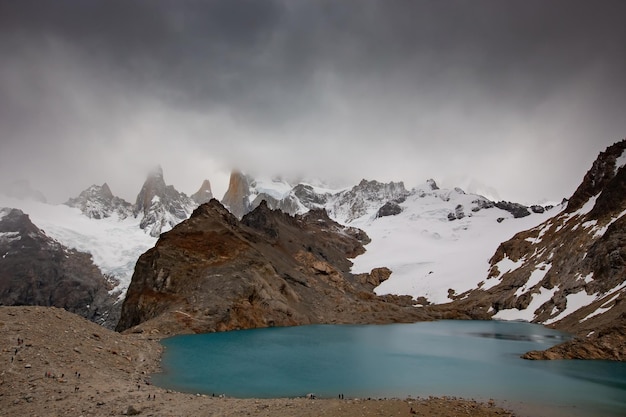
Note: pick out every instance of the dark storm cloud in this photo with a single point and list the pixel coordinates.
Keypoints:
(405, 88)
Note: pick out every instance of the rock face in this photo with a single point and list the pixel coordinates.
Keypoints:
(204, 194)
(37, 270)
(236, 198)
(569, 272)
(98, 202)
(162, 206)
(213, 272)
(354, 203)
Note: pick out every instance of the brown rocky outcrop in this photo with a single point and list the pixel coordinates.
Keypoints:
(578, 254)
(37, 270)
(236, 196)
(213, 272)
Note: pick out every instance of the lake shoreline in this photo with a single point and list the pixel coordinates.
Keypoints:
(57, 363)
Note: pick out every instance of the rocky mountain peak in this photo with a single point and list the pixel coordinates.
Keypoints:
(162, 205)
(236, 198)
(98, 202)
(106, 191)
(366, 196)
(154, 186)
(204, 194)
(601, 173)
(433, 184)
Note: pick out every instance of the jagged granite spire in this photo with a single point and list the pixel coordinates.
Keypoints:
(236, 197)
(98, 202)
(204, 194)
(161, 205)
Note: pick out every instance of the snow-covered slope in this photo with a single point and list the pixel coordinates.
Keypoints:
(442, 240)
(115, 244)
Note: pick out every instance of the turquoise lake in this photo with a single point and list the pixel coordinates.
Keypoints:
(472, 359)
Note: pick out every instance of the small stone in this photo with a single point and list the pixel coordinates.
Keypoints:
(132, 411)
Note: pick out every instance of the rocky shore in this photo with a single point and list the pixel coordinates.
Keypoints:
(57, 363)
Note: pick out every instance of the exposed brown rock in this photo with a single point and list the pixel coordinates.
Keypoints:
(236, 196)
(214, 272)
(606, 344)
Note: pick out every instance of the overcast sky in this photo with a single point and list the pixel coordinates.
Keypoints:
(518, 95)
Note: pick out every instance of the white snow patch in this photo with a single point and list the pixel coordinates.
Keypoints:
(603, 308)
(506, 265)
(588, 278)
(528, 314)
(10, 236)
(535, 277)
(573, 303)
(600, 231)
(589, 223)
(620, 162)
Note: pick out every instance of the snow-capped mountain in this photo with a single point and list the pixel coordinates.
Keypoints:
(114, 231)
(36, 269)
(437, 242)
(114, 243)
(98, 202)
(161, 205)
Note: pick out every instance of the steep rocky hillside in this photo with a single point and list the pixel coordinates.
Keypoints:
(37, 270)
(570, 271)
(214, 272)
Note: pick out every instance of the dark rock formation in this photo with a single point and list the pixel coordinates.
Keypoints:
(390, 208)
(213, 272)
(98, 202)
(597, 178)
(37, 270)
(516, 209)
(433, 184)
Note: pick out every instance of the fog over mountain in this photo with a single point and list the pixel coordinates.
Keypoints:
(518, 96)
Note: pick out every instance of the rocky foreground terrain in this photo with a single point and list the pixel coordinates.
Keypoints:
(55, 363)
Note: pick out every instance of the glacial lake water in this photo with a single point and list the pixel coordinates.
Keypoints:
(471, 359)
